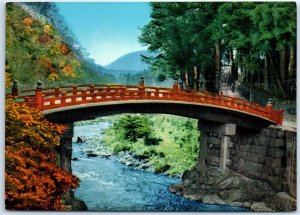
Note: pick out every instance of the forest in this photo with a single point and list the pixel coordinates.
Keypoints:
(256, 40)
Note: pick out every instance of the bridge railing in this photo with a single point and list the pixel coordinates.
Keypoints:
(56, 97)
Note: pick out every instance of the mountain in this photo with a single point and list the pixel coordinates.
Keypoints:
(130, 62)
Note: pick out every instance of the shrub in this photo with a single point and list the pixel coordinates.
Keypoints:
(133, 127)
(33, 180)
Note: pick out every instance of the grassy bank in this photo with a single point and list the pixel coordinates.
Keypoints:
(169, 142)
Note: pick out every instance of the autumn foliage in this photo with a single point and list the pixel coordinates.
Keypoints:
(33, 181)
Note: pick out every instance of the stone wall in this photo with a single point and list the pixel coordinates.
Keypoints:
(268, 155)
(261, 155)
(66, 149)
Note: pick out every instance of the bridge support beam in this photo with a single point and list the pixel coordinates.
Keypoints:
(229, 131)
(66, 149)
(215, 144)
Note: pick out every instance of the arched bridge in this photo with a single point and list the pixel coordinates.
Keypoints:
(79, 102)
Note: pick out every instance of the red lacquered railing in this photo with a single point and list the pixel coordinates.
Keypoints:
(64, 96)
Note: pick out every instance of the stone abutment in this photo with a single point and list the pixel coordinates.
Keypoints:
(243, 167)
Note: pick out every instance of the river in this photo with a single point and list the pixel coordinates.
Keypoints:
(108, 185)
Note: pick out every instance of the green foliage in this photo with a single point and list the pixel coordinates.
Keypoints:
(35, 50)
(171, 145)
(258, 37)
(133, 127)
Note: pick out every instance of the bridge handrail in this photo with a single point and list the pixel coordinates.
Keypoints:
(54, 97)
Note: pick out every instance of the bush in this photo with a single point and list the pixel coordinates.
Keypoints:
(33, 180)
(150, 141)
(169, 142)
(133, 127)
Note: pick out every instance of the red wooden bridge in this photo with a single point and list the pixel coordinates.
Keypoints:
(55, 98)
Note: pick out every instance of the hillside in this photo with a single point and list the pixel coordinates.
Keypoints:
(131, 61)
(36, 50)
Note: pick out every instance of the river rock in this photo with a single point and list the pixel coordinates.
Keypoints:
(233, 195)
(260, 207)
(281, 202)
(176, 188)
(91, 155)
(213, 199)
(233, 182)
(78, 205)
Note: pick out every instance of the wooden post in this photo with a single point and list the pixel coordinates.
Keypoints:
(39, 96)
(175, 90)
(56, 89)
(92, 88)
(141, 87)
(269, 108)
(14, 90)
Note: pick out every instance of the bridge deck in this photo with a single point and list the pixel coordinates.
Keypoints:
(54, 98)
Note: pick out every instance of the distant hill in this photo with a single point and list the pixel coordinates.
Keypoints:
(130, 62)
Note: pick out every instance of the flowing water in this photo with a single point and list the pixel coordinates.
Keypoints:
(107, 185)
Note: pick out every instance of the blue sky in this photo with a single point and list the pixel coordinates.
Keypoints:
(107, 30)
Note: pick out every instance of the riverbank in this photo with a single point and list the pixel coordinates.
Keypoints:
(94, 149)
(108, 185)
(212, 186)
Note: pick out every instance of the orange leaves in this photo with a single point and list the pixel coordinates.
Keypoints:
(33, 181)
(28, 24)
(68, 71)
(28, 21)
(64, 49)
(44, 38)
(48, 30)
(53, 77)
(8, 80)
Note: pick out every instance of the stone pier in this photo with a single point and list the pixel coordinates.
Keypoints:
(243, 167)
(66, 149)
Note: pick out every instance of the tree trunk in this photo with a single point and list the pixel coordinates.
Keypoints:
(259, 78)
(291, 63)
(234, 69)
(266, 75)
(282, 64)
(195, 79)
(277, 79)
(186, 78)
(218, 64)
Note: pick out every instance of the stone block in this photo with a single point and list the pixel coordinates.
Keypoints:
(277, 153)
(262, 141)
(278, 171)
(255, 141)
(266, 132)
(252, 167)
(241, 164)
(249, 140)
(281, 134)
(229, 162)
(264, 175)
(273, 132)
(215, 141)
(261, 150)
(213, 159)
(271, 141)
(275, 180)
(230, 129)
(278, 143)
(230, 144)
(215, 134)
(275, 162)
